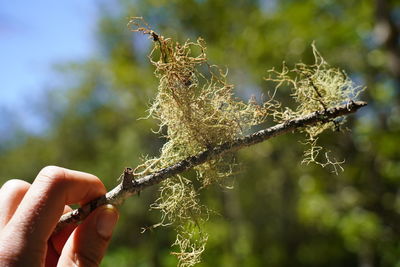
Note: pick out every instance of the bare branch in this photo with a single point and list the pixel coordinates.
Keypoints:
(129, 186)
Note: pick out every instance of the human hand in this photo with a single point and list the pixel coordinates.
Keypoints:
(29, 214)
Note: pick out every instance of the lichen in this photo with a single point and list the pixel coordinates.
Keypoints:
(315, 87)
(197, 110)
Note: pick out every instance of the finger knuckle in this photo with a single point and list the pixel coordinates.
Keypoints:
(14, 185)
(52, 174)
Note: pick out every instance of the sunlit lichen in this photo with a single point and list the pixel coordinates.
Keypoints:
(196, 110)
(196, 106)
(315, 87)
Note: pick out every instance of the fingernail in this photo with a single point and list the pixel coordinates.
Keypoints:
(106, 220)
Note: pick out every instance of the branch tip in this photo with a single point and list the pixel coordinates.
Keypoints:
(127, 178)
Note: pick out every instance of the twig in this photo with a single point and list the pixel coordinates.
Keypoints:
(129, 186)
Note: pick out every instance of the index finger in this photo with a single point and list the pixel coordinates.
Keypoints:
(43, 204)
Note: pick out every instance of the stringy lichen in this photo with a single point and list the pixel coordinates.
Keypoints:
(315, 87)
(196, 109)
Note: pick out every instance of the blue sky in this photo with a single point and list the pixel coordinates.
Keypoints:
(35, 35)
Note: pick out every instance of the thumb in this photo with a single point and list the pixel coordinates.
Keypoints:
(89, 241)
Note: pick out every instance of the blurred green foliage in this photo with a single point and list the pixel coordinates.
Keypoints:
(280, 213)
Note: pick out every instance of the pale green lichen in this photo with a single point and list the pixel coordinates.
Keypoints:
(196, 110)
(315, 87)
(196, 107)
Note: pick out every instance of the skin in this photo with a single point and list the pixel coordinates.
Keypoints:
(30, 212)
